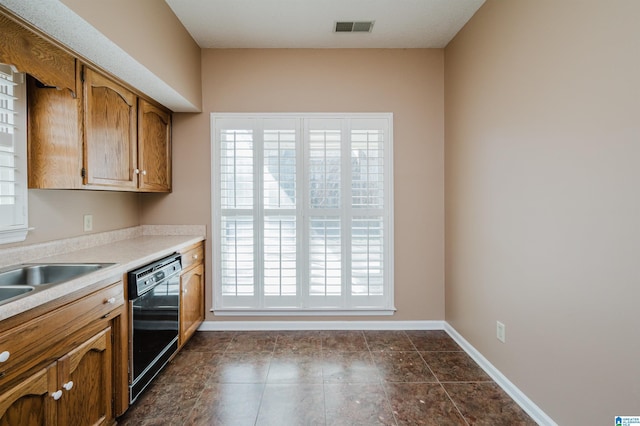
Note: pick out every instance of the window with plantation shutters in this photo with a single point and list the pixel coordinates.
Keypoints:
(302, 213)
(13, 162)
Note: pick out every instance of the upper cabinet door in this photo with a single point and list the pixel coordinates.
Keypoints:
(110, 114)
(32, 54)
(154, 147)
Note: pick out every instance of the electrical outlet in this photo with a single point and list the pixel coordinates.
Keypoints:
(88, 222)
(501, 332)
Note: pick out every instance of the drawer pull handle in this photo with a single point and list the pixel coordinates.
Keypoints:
(4, 356)
(57, 395)
(68, 385)
(110, 301)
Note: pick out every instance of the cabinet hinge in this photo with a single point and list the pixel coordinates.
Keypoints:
(83, 172)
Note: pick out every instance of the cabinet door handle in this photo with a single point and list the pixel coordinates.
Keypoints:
(4, 356)
(136, 171)
(68, 385)
(195, 256)
(57, 395)
(110, 301)
(144, 172)
(184, 291)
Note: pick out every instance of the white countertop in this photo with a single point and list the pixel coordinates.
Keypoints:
(126, 254)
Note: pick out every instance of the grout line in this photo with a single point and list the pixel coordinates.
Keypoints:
(324, 386)
(266, 380)
(428, 366)
(464, 419)
(454, 403)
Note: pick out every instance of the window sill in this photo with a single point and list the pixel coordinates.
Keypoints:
(244, 312)
(15, 235)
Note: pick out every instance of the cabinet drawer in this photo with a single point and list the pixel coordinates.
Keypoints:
(192, 255)
(38, 340)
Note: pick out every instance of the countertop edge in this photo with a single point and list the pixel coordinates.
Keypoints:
(126, 254)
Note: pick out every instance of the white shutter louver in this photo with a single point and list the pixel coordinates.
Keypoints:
(13, 163)
(302, 213)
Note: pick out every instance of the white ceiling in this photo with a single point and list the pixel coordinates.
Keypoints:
(309, 23)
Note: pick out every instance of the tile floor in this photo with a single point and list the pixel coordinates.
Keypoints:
(324, 378)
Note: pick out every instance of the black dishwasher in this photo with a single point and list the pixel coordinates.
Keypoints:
(154, 306)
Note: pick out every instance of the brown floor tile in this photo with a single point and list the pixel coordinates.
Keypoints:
(323, 377)
(357, 404)
(344, 341)
(163, 403)
(486, 404)
(388, 341)
(295, 368)
(432, 340)
(226, 404)
(252, 341)
(250, 367)
(402, 367)
(299, 342)
(298, 404)
(422, 404)
(189, 367)
(209, 341)
(454, 367)
(349, 367)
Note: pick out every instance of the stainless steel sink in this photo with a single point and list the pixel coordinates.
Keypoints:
(9, 292)
(20, 280)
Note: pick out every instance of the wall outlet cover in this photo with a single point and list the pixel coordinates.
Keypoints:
(88, 222)
(501, 332)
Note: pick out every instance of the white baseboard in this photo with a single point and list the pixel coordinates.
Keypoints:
(319, 325)
(516, 394)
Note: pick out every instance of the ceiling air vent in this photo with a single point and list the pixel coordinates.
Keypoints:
(353, 27)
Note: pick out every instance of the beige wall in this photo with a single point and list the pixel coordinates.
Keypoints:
(408, 83)
(542, 213)
(56, 214)
(149, 32)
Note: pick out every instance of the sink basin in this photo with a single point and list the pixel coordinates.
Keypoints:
(39, 274)
(21, 279)
(9, 292)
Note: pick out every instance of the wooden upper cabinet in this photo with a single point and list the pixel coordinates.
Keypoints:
(154, 147)
(54, 128)
(31, 53)
(110, 146)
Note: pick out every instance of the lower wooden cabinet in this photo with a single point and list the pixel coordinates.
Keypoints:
(75, 390)
(191, 292)
(84, 378)
(30, 402)
(191, 302)
(69, 375)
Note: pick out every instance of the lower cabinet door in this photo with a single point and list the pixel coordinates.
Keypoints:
(30, 402)
(191, 302)
(84, 377)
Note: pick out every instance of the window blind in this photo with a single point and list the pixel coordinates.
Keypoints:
(13, 181)
(302, 212)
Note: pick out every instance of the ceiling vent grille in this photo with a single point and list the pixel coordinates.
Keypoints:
(353, 27)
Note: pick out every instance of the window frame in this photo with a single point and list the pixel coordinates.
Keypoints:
(384, 304)
(17, 230)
